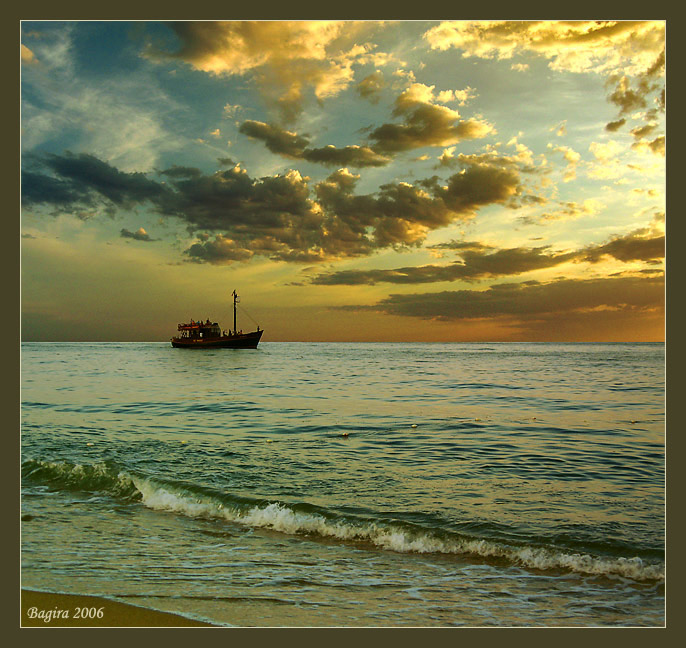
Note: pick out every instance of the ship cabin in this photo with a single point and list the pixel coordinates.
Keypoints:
(200, 330)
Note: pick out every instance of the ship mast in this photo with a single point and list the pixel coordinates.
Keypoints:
(235, 298)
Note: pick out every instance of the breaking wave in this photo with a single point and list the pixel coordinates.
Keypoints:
(400, 537)
(99, 477)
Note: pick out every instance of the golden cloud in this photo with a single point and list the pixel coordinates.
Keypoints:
(284, 56)
(27, 56)
(574, 46)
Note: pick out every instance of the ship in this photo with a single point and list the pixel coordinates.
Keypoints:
(209, 335)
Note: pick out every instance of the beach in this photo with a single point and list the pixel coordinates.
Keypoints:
(47, 609)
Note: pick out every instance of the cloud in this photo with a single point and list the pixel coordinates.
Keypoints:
(644, 244)
(626, 98)
(348, 156)
(37, 189)
(614, 126)
(656, 146)
(478, 261)
(641, 132)
(629, 97)
(294, 146)
(560, 129)
(278, 216)
(276, 139)
(425, 123)
(221, 250)
(112, 117)
(574, 46)
(632, 94)
(606, 164)
(572, 158)
(531, 301)
(566, 211)
(461, 96)
(274, 216)
(484, 180)
(605, 151)
(522, 161)
(231, 110)
(235, 47)
(371, 86)
(284, 57)
(475, 264)
(27, 56)
(81, 178)
(139, 235)
(399, 214)
(643, 143)
(624, 51)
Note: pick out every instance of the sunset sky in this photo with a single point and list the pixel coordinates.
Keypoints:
(353, 181)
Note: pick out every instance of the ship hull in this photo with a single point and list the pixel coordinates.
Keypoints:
(240, 341)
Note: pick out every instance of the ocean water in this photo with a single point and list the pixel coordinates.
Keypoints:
(309, 485)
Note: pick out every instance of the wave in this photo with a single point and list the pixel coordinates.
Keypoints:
(99, 477)
(402, 537)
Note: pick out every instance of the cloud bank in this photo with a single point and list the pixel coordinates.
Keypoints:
(280, 216)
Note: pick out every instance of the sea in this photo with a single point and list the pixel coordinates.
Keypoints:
(350, 484)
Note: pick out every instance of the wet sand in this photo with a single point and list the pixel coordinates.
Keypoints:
(42, 605)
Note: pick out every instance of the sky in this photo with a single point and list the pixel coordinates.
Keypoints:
(455, 181)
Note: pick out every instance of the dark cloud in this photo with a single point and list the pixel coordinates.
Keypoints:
(626, 97)
(92, 174)
(461, 245)
(275, 216)
(249, 211)
(641, 132)
(530, 300)
(475, 264)
(636, 94)
(370, 87)
(615, 125)
(401, 213)
(232, 201)
(657, 68)
(478, 262)
(183, 171)
(632, 247)
(424, 124)
(37, 188)
(83, 181)
(276, 139)
(291, 145)
(278, 216)
(348, 156)
(479, 185)
(220, 250)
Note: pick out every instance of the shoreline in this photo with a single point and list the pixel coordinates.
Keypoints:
(49, 610)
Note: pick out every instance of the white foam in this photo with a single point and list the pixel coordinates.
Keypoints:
(283, 519)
